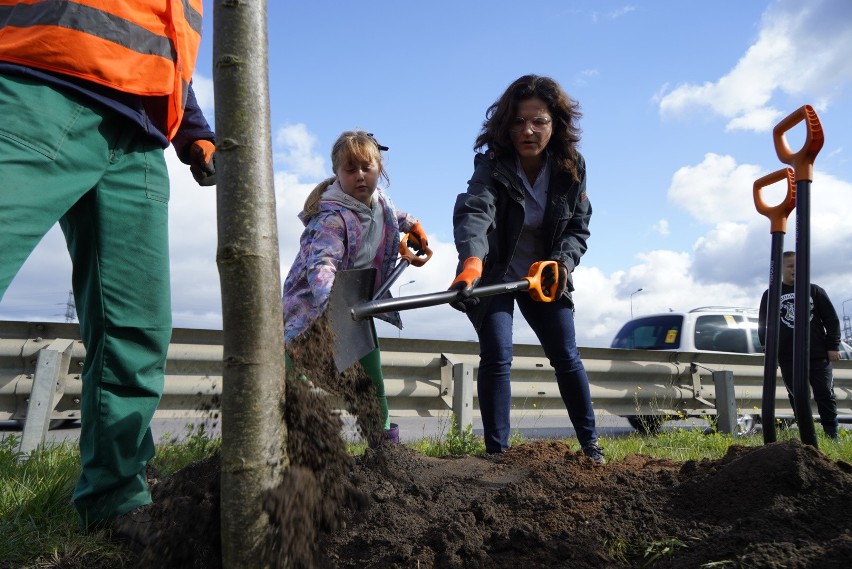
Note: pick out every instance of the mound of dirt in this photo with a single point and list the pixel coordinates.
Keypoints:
(543, 505)
(540, 504)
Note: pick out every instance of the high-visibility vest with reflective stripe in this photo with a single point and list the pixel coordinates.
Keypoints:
(144, 47)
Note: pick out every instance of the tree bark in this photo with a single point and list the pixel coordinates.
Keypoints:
(253, 429)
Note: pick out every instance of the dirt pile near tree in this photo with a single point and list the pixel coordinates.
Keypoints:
(541, 504)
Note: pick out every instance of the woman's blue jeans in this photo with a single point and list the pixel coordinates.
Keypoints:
(553, 324)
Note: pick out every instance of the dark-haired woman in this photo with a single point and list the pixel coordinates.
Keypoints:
(526, 202)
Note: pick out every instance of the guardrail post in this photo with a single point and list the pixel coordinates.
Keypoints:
(447, 387)
(726, 402)
(48, 387)
(457, 390)
(697, 388)
(463, 395)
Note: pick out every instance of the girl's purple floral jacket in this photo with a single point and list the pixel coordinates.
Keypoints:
(330, 242)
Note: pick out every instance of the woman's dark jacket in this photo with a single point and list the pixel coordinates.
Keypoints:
(489, 217)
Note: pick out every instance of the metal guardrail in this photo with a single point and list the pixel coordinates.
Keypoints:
(40, 366)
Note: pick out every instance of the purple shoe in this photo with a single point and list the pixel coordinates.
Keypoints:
(392, 434)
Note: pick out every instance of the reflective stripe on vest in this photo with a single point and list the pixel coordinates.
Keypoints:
(146, 47)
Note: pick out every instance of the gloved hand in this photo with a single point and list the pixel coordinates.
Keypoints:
(465, 281)
(465, 304)
(417, 238)
(560, 276)
(202, 162)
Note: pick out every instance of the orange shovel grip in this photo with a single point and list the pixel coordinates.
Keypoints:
(534, 279)
(410, 256)
(777, 214)
(803, 160)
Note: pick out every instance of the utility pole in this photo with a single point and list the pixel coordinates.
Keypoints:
(70, 308)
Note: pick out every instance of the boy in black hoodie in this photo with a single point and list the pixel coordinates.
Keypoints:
(824, 342)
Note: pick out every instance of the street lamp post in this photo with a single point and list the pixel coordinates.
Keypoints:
(398, 295)
(847, 333)
(631, 300)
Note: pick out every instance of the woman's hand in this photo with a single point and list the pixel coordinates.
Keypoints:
(465, 281)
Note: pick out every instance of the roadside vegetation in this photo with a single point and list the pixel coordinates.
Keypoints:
(38, 525)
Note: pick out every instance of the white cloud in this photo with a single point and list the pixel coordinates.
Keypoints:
(729, 263)
(298, 155)
(758, 120)
(203, 88)
(39, 292)
(582, 78)
(193, 240)
(619, 12)
(791, 56)
(662, 228)
(836, 152)
(717, 189)
(613, 14)
(667, 282)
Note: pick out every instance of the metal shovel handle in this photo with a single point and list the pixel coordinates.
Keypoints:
(532, 283)
(802, 161)
(777, 214)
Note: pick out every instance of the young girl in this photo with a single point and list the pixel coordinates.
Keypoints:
(349, 224)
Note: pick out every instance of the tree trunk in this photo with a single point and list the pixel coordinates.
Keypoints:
(253, 429)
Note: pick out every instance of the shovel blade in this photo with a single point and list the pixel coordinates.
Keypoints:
(353, 338)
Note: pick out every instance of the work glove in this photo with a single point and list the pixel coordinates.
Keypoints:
(559, 275)
(417, 238)
(465, 281)
(202, 162)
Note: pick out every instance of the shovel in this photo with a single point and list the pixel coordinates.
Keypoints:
(349, 306)
(802, 162)
(777, 215)
(354, 339)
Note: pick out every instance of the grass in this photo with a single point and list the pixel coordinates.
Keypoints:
(643, 555)
(38, 525)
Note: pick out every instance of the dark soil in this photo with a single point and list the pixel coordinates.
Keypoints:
(540, 504)
(543, 504)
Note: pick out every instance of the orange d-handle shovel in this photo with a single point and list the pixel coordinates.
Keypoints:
(802, 162)
(531, 283)
(407, 257)
(349, 307)
(777, 215)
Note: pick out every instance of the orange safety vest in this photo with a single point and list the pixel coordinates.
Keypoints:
(144, 47)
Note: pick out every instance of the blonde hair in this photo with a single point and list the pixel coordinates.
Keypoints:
(351, 147)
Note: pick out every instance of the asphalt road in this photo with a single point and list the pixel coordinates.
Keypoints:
(411, 428)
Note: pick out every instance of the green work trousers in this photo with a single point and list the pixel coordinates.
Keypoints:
(65, 159)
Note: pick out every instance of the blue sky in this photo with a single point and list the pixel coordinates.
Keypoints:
(678, 101)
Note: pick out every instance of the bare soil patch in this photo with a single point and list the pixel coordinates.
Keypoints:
(541, 504)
